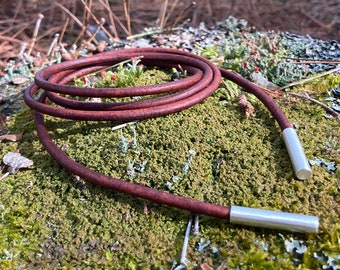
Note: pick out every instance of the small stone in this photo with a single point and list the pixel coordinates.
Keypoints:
(141, 43)
(336, 92)
(19, 80)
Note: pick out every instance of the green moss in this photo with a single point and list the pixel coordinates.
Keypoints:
(61, 222)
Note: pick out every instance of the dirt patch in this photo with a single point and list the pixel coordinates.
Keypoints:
(316, 18)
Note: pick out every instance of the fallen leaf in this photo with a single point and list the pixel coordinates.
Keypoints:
(11, 137)
(15, 161)
(205, 266)
(245, 105)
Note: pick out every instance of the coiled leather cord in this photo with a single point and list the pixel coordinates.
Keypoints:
(204, 79)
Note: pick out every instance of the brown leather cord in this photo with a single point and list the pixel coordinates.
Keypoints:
(204, 79)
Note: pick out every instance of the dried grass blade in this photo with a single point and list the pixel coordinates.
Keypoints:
(126, 4)
(162, 14)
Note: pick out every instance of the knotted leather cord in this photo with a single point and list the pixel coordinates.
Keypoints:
(204, 79)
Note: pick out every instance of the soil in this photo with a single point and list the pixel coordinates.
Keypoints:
(316, 18)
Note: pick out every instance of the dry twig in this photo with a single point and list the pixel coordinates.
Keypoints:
(171, 11)
(327, 108)
(113, 28)
(126, 4)
(35, 33)
(322, 74)
(75, 19)
(53, 44)
(100, 22)
(181, 14)
(92, 37)
(114, 17)
(63, 30)
(162, 14)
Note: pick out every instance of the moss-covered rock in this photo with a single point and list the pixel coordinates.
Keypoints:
(52, 219)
